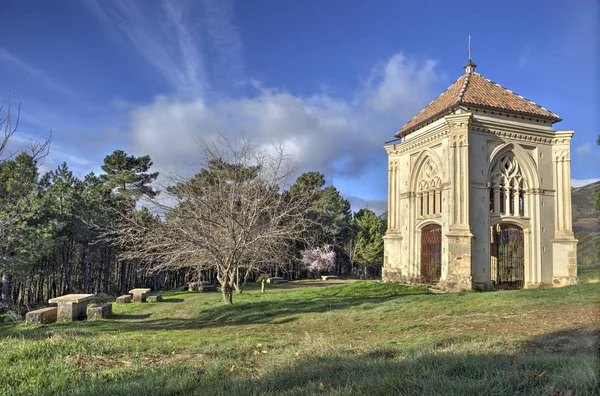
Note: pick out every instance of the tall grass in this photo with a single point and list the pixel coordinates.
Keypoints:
(359, 338)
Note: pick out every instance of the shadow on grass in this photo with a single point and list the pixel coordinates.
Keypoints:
(172, 300)
(275, 308)
(387, 371)
(129, 316)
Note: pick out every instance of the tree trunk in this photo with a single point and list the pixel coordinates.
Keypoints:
(237, 283)
(123, 277)
(67, 267)
(6, 279)
(227, 293)
(86, 271)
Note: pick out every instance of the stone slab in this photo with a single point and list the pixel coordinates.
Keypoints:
(99, 311)
(42, 316)
(124, 299)
(155, 298)
(139, 290)
(72, 298)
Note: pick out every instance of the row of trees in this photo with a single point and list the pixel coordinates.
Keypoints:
(236, 218)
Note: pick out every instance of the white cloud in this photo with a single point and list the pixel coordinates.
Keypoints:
(322, 132)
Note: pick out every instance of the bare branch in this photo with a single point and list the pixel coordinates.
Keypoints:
(231, 215)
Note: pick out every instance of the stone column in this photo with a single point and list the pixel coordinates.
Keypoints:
(458, 237)
(516, 200)
(496, 200)
(559, 194)
(564, 245)
(430, 206)
(506, 197)
(420, 204)
(567, 209)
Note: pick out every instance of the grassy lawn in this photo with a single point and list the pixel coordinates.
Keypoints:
(302, 338)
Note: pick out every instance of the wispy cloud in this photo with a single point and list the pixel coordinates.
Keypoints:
(165, 43)
(173, 37)
(224, 38)
(53, 84)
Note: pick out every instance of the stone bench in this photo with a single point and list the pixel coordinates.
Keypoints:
(99, 311)
(124, 299)
(155, 298)
(329, 277)
(201, 287)
(205, 287)
(275, 280)
(42, 316)
(139, 294)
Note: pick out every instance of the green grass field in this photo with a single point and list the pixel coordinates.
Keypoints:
(302, 338)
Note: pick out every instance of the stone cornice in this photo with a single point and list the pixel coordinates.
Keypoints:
(423, 140)
(521, 133)
(514, 134)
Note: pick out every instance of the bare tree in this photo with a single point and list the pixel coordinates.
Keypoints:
(12, 204)
(18, 171)
(232, 215)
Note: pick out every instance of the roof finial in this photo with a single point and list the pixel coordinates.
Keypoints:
(470, 66)
(470, 48)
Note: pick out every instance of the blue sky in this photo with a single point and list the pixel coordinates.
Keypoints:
(330, 79)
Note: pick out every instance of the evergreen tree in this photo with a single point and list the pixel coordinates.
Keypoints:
(369, 238)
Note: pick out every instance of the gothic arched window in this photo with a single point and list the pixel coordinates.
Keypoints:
(429, 190)
(507, 187)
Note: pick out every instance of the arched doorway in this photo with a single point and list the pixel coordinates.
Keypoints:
(431, 253)
(507, 261)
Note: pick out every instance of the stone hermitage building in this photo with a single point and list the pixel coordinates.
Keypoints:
(479, 193)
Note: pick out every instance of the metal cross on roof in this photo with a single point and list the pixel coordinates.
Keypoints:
(470, 48)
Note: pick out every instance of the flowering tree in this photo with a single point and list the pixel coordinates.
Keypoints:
(318, 259)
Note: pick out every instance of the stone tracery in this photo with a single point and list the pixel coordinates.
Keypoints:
(429, 190)
(507, 187)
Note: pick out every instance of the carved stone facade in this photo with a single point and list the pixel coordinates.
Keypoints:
(478, 173)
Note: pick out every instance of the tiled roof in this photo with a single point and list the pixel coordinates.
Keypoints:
(472, 89)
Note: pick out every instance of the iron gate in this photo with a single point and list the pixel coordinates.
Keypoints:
(507, 260)
(431, 253)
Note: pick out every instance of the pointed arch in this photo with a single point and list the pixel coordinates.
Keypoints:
(426, 154)
(426, 184)
(511, 174)
(527, 164)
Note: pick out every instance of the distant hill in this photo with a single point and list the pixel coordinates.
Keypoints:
(582, 202)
